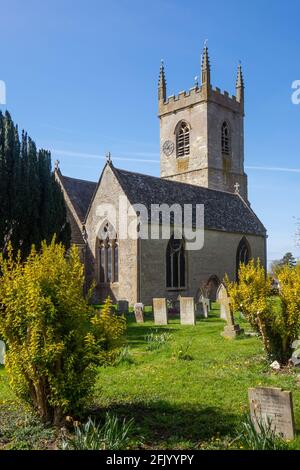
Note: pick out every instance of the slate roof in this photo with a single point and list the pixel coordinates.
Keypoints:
(222, 211)
(76, 234)
(80, 192)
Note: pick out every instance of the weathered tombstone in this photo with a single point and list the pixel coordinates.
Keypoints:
(221, 297)
(274, 406)
(160, 311)
(2, 353)
(203, 307)
(123, 306)
(139, 312)
(231, 330)
(206, 306)
(200, 308)
(187, 311)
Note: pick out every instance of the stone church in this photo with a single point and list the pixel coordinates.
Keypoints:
(201, 162)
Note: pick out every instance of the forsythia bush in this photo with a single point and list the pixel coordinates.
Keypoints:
(108, 329)
(288, 323)
(54, 337)
(276, 319)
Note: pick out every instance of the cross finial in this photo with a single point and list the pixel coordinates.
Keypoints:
(237, 188)
(108, 157)
(56, 165)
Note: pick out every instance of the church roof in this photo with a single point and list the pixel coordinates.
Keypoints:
(80, 193)
(222, 210)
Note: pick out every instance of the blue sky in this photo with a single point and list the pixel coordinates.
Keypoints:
(81, 78)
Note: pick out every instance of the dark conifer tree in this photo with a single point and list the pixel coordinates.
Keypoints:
(32, 206)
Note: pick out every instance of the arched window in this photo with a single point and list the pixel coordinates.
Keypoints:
(183, 140)
(243, 255)
(108, 253)
(226, 139)
(175, 263)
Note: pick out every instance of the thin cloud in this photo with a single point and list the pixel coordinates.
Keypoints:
(68, 153)
(273, 168)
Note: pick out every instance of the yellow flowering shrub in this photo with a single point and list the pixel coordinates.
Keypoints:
(107, 334)
(275, 318)
(54, 337)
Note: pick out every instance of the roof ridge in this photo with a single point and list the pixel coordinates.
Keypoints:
(78, 179)
(175, 181)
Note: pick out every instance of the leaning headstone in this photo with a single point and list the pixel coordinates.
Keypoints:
(231, 330)
(123, 306)
(187, 311)
(2, 353)
(160, 311)
(139, 312)
(274, 406)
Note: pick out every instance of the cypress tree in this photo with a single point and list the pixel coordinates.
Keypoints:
(32, 207)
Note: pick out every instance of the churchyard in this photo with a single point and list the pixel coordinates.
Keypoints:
(185, 387)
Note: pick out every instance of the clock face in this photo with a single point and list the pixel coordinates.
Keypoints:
(168, 147)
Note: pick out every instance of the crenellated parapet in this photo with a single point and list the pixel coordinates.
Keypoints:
(200, 94)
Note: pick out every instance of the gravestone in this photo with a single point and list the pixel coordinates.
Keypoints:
(221, 297)
(187, 311)
(231, 330)
(123, 306)
(160, 311)
(203, 307)
(273, 405)
(206, 307)
(2, 353)
(139, 312)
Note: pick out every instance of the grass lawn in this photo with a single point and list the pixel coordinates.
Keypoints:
(182, 404)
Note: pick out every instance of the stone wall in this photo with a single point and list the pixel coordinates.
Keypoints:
(108, 192)
(205, 166)
(217, 258)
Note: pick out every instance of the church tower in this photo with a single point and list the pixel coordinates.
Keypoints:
(202, 133)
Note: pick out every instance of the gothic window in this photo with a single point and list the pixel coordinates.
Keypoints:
(183, 140)
(108, 252)
(175, 263)
(226, 144)
(243, 255)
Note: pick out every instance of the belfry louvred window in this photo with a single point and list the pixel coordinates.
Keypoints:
(225, 139)
(183, 140)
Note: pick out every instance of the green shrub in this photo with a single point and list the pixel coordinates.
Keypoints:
(263, 438)
(275, 318)
(54, 338)
(113, 435)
